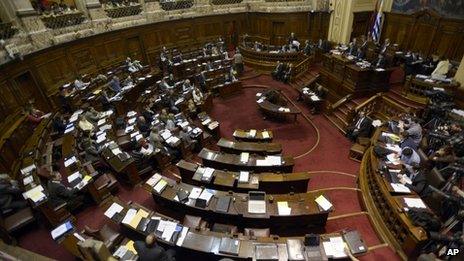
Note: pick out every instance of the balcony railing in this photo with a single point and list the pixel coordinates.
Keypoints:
(56, 21)
(122, 11)
(7, 30)
(169, 5)
(225, 2)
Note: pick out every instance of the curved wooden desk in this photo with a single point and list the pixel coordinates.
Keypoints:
(304, 210)
(266, 61)
(387, 209)
(205, 244)
(219, 160)
(253, 135)
(252, 147)
(277, 109)
(275, 183)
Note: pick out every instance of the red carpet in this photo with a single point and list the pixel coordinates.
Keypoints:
(319, 147)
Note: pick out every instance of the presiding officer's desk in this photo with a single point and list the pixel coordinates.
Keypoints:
(252, 147)
(388, 207)
(275, 183)
(253, 135)
(204, 244)
(304, 209)
(219, 160)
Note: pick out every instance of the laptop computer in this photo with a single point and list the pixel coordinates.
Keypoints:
(257, 202)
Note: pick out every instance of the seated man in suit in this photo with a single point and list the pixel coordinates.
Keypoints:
(418, 182)
(320, 93)
(409, 158)
(91, 149)
(142, 125)
(277, 73)
(171, 80)
(352, 48)
(186, 86)
(10, 194)
(59, 193)
(91, 115)
(197, 96)
(380, 62)
(307, 48)
(288, 74)
(79, 84)
(164, 85)
(201, 79)
(59, 124)
(361, 127)
(412, 131)
(115, 85)
(149, 250)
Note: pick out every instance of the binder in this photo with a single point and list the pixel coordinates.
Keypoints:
(229, 246)
(223, 203)
(354, 242)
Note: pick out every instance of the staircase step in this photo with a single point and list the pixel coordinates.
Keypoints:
(344, 110)
(336, 121)
(341, 116)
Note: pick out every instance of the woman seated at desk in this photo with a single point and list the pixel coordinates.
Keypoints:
(34, 115)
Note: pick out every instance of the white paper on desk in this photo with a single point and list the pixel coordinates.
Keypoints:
(182, 236)
(414, 203)
(323, 203)
(161, 225)
(101, 122)
(315, 98)
(35, 194)
(147, 151)
(169, 230)
(393, 158)
(244, 157)
(28, 169)
(74, 176)
(265, 134)
(70, 161)
(335, 247)
(195, 193)
(73, 118)
(101, 138)
(153, 180)
(258, 94)
(160, 186)
(244, 177)
(206, 195)
(376, 123)
(393, 147)
(260, 100)
(283, 208)
(184, 124)
(206, 122)
(129, 129)
(131, 113)
(113, 209)
(407, 179)
(252, 133)
(120, 252)
(208, 173)
(274, 160)
(129, 216)
(28, 180)
(172, 140)
(262, 162)
(131, 121)
(398, 187)
(106, 127)
(133, 134)
(68, 130)
(166, 134)
(116, 151)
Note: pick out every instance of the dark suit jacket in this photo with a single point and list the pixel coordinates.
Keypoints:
(419, 185)
(365, 127)
(380, 63)
(7, 192)
(149, 254)
(59, 194)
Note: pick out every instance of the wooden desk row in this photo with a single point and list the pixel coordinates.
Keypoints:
(255, 163)
(252, 147)
(275, 183)
(388, 207)
(277, 111)
(304, 210)
(206, 245)
(253, 135)
(416, 88)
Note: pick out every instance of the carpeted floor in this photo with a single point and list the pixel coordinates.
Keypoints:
(317, 145)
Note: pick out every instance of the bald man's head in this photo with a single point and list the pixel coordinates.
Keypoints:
(150, 240)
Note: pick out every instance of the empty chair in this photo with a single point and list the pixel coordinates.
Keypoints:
(106, 234)
(257, 232)
(224, 228)
(195, 222)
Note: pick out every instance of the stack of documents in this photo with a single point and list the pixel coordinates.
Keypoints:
(207, 174)
(323, 203)
(252, 133)
(35, 194)
(283, 208)
(113, 209)
(400, 188)
(414, 203)
(393, 158)
(154, 180)
(244, 177)
(70, 161)
(160, 186)
(244, 157)
(61, 230)
(265, 134)
(335, 247)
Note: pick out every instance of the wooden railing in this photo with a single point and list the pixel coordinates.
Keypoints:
(416, 89)
(225, 2)
(339, 103)
(392, 224)
(123, 11)
(7, 30)
(56, 21)
(380, 107)
(301, 67)
(176, 5)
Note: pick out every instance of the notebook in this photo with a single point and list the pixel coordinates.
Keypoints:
(223, 203)
(267, 252)
(229, 246)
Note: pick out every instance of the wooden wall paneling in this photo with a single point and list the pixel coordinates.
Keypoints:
(279, 34)
(83, 59)
(9, 102)
(134, 49)
(27, 87)
(361, 22)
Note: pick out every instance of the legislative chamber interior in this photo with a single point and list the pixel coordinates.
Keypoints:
(263, 130)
